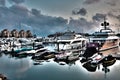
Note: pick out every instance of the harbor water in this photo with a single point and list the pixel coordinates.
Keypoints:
(25, 69)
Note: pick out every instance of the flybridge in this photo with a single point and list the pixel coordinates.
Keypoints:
(106, 31)
(104, 34)
(104, 38)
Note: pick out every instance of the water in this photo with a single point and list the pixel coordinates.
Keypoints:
(24, 69)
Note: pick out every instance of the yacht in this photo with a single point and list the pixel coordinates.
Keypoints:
(71, 40)
(37, 49)
(106, 38)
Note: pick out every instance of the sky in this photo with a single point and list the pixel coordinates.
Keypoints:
(44, 17)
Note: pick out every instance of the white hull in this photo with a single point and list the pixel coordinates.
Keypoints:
(72, 44)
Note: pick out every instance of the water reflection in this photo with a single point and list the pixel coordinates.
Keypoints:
(24, 68)
(14, 66)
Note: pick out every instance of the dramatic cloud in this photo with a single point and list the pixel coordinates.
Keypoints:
(118, 17)
(2, 2)
(110, 14)
(17, 1)
(81, 25)
(112, 2)
(91, 1)
(99, 17)
(19, 10)
(81, 11)
(36, 12)
(19, 17)
(16, 15)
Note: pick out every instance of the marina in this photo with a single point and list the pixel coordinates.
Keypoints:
(59, 40)
(63, 55)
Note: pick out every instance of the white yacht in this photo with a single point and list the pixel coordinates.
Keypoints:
(106, 38)
(71, 40)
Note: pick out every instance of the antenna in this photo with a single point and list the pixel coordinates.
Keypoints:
(105, 24)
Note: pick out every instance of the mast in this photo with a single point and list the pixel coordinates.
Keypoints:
(105, 24)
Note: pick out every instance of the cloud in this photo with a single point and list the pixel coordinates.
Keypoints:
(2, 2)
(118, 17)
(81, 11)
(19, 10)
(17, 1)
(112, 2)
(81, 25)
(20, 17)
(36, 12)
(91, 1)
(110, 14)
(99, 17)
(17, 16)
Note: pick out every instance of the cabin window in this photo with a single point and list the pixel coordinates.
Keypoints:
(76, 42)
(115, 39)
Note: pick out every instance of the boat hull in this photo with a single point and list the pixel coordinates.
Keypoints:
(109, 48)
(106, 46)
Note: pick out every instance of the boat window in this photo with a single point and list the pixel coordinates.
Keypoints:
(115, 39)
(100, 35)
(76, 42)
(95, 41)
(106, 31)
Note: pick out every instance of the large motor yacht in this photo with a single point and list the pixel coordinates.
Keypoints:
(106, 38)
(71, 40)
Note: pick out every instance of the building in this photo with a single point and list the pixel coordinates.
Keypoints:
(17, 34)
